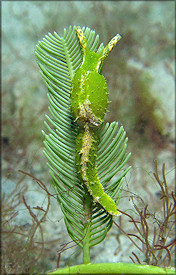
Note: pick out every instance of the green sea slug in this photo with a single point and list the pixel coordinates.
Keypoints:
(89, 101)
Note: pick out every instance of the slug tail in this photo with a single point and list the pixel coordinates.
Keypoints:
(86, 145)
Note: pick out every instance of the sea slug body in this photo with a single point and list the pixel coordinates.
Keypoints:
(89, 101)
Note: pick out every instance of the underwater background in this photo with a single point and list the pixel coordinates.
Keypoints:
(140, 76)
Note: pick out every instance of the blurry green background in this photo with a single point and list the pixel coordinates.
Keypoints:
(139, 73)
